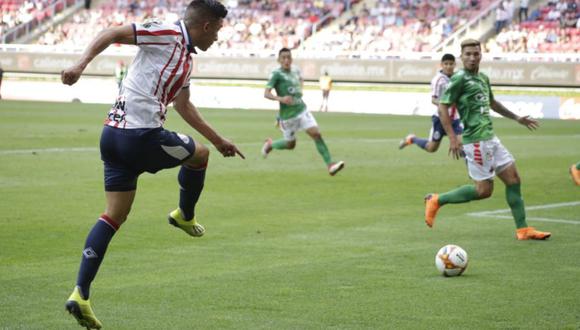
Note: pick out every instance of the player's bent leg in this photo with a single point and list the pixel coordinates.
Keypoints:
(509, 175)
(432, 146)
(191, 180)
(81, 309)
(333, 166)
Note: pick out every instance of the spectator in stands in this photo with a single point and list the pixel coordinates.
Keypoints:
(554, 14)
(501, 17)
(523, 10)
(510, 9)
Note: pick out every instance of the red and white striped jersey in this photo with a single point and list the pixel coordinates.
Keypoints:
(438, 86)
(160, 70)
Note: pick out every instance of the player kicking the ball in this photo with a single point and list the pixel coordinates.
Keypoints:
(294, 116)
(471, 91)
(133, 140)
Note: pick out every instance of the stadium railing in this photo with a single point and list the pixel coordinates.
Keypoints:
(45, 14)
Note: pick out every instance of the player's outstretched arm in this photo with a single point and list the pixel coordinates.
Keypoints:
(527, 121)
(191, 115)
(115, 35)
(454, 143)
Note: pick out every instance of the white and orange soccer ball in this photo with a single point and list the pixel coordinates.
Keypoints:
(451, 260)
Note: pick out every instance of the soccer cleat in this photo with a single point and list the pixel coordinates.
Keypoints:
(82, 311)
(575, 173)
(527, 233)
(431, 208)
(334, 168)
(267, 147)
(191, 227)
(408, 140)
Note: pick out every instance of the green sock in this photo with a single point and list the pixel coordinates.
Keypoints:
(323, 151)
(578, 166)
(514, 199)
(462, 194)
(280, 144)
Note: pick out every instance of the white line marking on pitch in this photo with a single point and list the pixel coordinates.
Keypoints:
(497, 213)
(46, 150)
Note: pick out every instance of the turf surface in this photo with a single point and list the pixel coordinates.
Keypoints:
(287, 246)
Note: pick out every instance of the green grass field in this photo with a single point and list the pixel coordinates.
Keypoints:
(287, 246)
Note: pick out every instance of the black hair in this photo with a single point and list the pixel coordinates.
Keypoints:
(283, 50)
(448, 57)
(200, 9)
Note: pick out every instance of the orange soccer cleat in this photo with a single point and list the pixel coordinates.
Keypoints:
(408, 140)
(527, 233)
(431, 208)
(575, 173)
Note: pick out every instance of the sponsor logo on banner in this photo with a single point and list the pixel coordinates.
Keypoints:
(410, 70)
(570, 108)
(543, 72)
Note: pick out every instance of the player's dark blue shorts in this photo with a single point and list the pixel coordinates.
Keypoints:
(438, 132)
(126, 153)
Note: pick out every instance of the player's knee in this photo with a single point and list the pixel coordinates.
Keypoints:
(316, 136)
(484, 192)
(200, 156)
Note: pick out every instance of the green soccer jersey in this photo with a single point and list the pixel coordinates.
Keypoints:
(288, 83)
(471, 93)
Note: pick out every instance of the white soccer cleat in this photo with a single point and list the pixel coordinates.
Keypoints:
(267, 147)
(335, 167)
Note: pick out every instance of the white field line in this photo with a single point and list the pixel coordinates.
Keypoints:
(497, 214)
(46, 150)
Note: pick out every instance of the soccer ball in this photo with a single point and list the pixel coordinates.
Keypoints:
(451, 260)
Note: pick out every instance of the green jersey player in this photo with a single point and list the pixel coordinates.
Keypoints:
(294, 116)
(470, 90)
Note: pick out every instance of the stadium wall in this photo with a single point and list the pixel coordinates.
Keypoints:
(104, 90)
(501, 72)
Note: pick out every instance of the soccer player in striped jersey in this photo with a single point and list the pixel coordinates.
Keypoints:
(133, 140)
(438, 85)
(294, 116)
(485, 155)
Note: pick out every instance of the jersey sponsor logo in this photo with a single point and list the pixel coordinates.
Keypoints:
(481, 97)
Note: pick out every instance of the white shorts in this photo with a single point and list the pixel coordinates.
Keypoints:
(485, 157)
(303, 121)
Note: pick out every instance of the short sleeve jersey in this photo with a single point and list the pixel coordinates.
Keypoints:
(471, 93)
(438, 86)
(288, 83)
(325, 83)
(161, 69)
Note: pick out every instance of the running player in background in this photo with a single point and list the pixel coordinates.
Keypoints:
(294, 116)
(470, 91)
(438, 85)
(134, 141)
